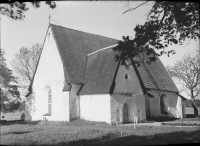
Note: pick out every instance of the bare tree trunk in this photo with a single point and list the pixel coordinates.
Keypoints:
(196, 113)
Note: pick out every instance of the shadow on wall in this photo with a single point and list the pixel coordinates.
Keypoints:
(168, 116)
(171, 114)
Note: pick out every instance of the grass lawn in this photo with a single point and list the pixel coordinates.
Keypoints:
(80, 132)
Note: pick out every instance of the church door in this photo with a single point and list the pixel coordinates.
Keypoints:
(139, 115)
(125, 113)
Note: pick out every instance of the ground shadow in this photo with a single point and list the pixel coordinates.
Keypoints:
(167, 138)
(22, 132)
(4, 122)
(162, 119)
(190, 116)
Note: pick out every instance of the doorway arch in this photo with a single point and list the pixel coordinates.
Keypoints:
(128, 107)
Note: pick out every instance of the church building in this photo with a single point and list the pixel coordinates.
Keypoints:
(78, 77)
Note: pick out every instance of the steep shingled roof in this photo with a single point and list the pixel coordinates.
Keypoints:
(73, 47)
(101, 68)
(145, 77)
(100, 71)
(159, 74)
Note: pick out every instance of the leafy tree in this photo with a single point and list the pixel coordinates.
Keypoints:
(187, 70)
(16, 10)
(167, 23)
(24, 65)
(9, 94)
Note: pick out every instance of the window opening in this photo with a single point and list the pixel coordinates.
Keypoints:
(127, 76)
(49, 101)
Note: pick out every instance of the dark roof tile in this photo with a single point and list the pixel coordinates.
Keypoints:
(73, 47)
(101, 67)
(100, 71)
(158, 72)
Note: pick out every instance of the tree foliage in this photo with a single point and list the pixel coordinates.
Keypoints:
(16, 10)
(187, 70)
(9, 94)
(167, 23)
(24, 65)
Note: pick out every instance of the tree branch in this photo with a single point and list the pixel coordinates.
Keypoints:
(131, 9)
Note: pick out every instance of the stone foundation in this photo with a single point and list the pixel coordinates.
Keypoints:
(116, 111)
(74, 102)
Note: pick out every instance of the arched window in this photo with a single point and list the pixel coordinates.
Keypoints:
(49, 101)
(164, 104)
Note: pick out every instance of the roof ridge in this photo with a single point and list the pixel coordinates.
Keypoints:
(83, 32)
(102, 49)
(85, 70)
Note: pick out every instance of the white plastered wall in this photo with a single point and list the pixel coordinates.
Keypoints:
(50, 73)
(95, 107)
(174, 104)
(132, 85)
(179, 108)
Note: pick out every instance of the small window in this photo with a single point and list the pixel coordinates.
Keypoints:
(127, 76)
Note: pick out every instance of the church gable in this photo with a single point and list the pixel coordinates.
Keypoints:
(48, 82)
(49, 65)
(126, 81)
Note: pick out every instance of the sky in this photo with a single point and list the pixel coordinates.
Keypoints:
(104, 18)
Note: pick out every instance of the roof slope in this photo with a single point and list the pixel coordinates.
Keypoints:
(145, 77)
(74, 46)
(101, 67)
(100, 71)
(160, 78)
